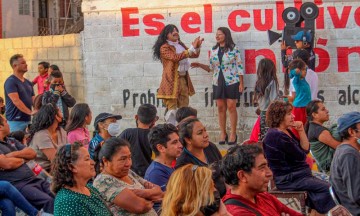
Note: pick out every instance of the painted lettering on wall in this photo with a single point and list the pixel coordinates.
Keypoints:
(346, 97)
(242, 20)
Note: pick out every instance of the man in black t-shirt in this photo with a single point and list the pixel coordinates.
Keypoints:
(138, 138)
(19, 95)
(13, 168)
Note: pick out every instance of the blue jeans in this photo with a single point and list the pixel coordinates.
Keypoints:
(18, 125)
(11, 197)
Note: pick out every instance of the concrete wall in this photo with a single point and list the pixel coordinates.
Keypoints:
(62, 50)
(16, 25)
(119, 35)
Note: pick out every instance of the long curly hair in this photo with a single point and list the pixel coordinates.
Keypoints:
(189, 188)
(276, 113)
(162, 40)
(229, 43)
(77, 116)
(266, 72)
(61, 168)
(43, 119)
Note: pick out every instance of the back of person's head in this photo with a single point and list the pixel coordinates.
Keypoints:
(61, 166)
(46, 65)
(38, 102)
(18, 135)
(44, 118)
(159, 135)
(14, 59)
(302, 54)
(54, 67)
(107, 151)
(49, 97)
(147, 114)
(189, 189)
(1, 100)
(276, 112)
(78, 116)
(185, 112)
(266, 73)
(297, 64)
(55, 74)
(185, 128)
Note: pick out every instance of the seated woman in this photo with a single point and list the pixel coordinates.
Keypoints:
(125, 192)
(198, 150)
(46, 135)
(80, 117)
(190, 191)
(323, 141)
(72, 169)
(286, 156)
(10, 198)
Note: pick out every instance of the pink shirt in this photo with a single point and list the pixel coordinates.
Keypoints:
(81, 135)
(40, 80)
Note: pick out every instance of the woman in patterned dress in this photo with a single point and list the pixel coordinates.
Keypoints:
(125, 192)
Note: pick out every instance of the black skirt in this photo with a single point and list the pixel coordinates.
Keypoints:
(221, 91)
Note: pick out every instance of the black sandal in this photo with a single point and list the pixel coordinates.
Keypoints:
(225, 141)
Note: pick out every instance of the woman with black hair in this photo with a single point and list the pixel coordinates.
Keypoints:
(226, 64)
(124, 191)
(46, 135)
(323, 141)
(80, 117)
(175, 87)
(72, 169)
(198, 150)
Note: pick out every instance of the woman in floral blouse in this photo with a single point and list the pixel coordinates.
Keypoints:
(226, 64)
(125, 192)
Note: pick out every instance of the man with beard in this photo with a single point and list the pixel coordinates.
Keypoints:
(175, 87)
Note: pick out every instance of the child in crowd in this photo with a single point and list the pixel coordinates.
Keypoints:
(42, 79)
(266, 90)
(311, 77)
(302, 41)
(80, 117)
(53, 68)
(65, 100)
(2, 106)
(298, 71)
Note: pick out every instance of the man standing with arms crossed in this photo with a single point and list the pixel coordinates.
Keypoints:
(175, 87)
(19, 95)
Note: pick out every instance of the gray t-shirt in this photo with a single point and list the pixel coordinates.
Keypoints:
(345, 177)
(42, 140)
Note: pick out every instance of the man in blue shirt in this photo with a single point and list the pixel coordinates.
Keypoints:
(164, 141)
(19, 95)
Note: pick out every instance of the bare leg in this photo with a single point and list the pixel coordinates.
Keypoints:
(231, 106)
(221, 105)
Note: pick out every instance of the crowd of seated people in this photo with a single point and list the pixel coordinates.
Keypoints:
(114, 172)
